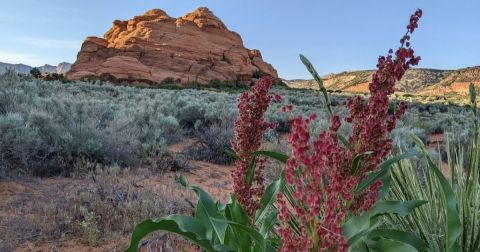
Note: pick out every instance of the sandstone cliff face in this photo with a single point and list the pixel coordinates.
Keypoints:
(154, 46)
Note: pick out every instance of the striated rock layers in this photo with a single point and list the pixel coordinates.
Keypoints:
(418, 81)
(154, 46)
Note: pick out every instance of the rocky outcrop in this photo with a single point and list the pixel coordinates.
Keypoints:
(63, 67)
(149, 48)
(47, 69)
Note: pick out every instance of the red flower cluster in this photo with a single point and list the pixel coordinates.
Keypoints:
(315, 170)
(414, 20)
(249, 129)
(287, 108)
(371, 123)
(320, 170)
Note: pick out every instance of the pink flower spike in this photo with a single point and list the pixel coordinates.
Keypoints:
(320, 167)
(249, 129)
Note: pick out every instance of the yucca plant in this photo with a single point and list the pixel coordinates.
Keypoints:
(451, 219)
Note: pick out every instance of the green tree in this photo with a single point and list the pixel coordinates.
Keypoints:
(35, 73)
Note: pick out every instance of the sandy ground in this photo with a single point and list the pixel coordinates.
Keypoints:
(215, 179)
(16, 194)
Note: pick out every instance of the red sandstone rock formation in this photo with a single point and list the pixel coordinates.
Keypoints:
(154, 46)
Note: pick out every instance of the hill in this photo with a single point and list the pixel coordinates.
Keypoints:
(25, 69)
(419, 81)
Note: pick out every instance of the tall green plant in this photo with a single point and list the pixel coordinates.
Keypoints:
(364, 232)
(216, 226)
(332, 216)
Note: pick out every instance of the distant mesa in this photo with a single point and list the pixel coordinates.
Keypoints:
(428, 82)
(61, 68)
(150, 48)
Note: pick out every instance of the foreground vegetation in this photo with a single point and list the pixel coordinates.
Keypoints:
(70, 129)
(332, 194)
(390, 195)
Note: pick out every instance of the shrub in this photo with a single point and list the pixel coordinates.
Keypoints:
(55, 77)
(189, 115)
(173, 162)
(283, 124)
(170, 128)
(46, 128)
(20, 150)
(35, 73)
(216, 83)
(271, 135)
(212, 142)
(193, 84)
(90, 226)
(168, 81)
(258, 74)
(401, 137)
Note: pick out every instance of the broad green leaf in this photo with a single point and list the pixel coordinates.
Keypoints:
(272, 154)
(186, 226)
(398, 235)
(235, 213)
(358, 226)
(232, 154)
(453, 225)
(269, 197)
(206, 210)
(387, 245)
(254, 234)
(401, 208)
(358, 246)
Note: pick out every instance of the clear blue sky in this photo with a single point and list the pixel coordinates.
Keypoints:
(336, 35)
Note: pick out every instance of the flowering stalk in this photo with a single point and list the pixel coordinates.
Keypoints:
(320, 169)
(249, 129)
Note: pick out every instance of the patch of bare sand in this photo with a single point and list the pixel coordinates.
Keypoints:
(213, 178)
(433, 142)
